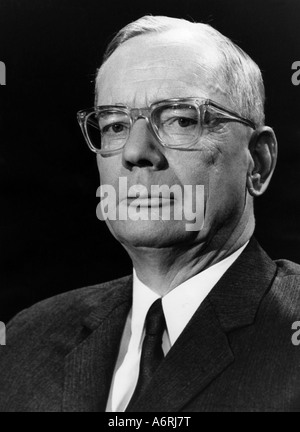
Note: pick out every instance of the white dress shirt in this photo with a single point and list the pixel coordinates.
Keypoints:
(179, 305)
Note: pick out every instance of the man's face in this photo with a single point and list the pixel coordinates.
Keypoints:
(151, 68)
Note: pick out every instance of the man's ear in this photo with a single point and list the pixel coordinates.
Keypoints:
(263, 149)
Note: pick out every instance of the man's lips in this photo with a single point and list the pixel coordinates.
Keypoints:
(149, 201)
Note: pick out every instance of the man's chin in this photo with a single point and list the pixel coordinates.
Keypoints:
(152, 234)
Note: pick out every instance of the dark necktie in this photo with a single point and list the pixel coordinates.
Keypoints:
(152, 352)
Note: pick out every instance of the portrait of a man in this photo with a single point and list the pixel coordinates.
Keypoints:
(203, 322)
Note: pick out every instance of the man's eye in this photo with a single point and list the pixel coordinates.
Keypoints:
(185, 122)
(182, 122)
(115, 128)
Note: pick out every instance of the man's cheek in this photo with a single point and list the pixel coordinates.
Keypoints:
(108, 172)
(227, 156)
(213, 151)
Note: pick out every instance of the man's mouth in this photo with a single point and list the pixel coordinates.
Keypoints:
(149, 201)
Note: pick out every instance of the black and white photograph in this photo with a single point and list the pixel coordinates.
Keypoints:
(150, 208)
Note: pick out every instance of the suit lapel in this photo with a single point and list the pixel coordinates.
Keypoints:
(89, 367)
(202, 352)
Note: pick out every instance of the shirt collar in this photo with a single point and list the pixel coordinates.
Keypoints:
(181, 303)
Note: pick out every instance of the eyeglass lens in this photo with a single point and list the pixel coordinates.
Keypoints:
(175, 125)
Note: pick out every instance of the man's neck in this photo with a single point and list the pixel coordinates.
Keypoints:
(163, 269)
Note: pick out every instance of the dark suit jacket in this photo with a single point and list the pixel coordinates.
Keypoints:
(235, 354)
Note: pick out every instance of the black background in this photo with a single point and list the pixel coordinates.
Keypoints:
(50, 238)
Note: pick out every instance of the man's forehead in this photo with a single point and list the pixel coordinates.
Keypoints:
(167, 64)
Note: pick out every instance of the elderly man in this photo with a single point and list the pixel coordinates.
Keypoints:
(205, 322)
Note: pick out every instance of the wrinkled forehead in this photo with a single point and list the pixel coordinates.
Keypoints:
(153, 67)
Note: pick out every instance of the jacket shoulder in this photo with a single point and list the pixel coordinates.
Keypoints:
(61, 312)
(285, 289)
(288, 268)
(39, 338)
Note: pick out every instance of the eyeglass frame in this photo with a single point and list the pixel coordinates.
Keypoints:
(147, 112)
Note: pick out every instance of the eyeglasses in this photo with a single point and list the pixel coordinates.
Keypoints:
(176, 123)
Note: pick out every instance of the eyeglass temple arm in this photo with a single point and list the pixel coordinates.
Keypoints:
(232, 114)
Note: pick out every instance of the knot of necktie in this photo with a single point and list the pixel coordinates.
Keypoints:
(155, 320)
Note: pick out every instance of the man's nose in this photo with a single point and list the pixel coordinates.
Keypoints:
(142, 149)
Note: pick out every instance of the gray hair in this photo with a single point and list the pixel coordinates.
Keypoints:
(238, 71)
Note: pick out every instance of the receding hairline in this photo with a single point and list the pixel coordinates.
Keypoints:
(179, 32)
(197, 59)
(187, 31)
(154, 25)
(236, 69)
(171, 37)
